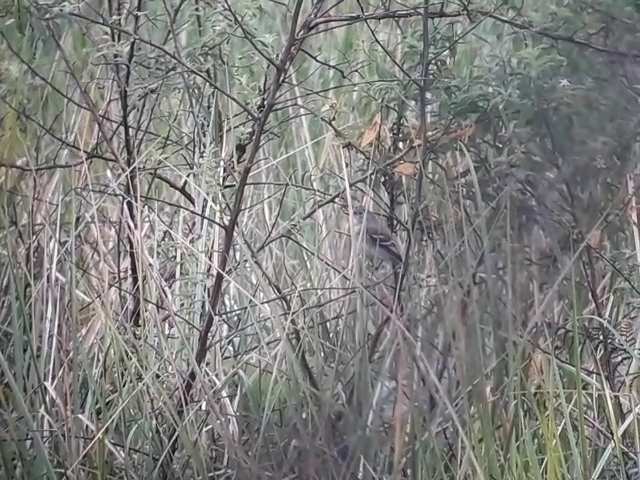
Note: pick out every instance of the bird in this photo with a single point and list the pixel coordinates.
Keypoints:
(379, 242)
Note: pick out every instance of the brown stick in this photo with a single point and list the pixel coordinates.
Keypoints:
(289, 53)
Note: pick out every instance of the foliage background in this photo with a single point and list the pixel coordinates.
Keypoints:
(181, 294)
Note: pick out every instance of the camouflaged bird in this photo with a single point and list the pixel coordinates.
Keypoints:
(379, 243)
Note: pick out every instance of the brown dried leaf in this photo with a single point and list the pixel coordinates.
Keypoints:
(408, 169)
(594, 239)
(416, 134)
(385, 136)
(463, 133)
(535, 368)
(372, 132)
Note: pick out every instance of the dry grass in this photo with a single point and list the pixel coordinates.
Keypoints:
(486, 368)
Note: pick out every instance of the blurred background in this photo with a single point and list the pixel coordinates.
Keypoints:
(182, 290)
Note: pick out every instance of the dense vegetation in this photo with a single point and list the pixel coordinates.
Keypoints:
(182, 290)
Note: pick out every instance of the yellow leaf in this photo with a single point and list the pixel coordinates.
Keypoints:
(406, 168)
(372, 132)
